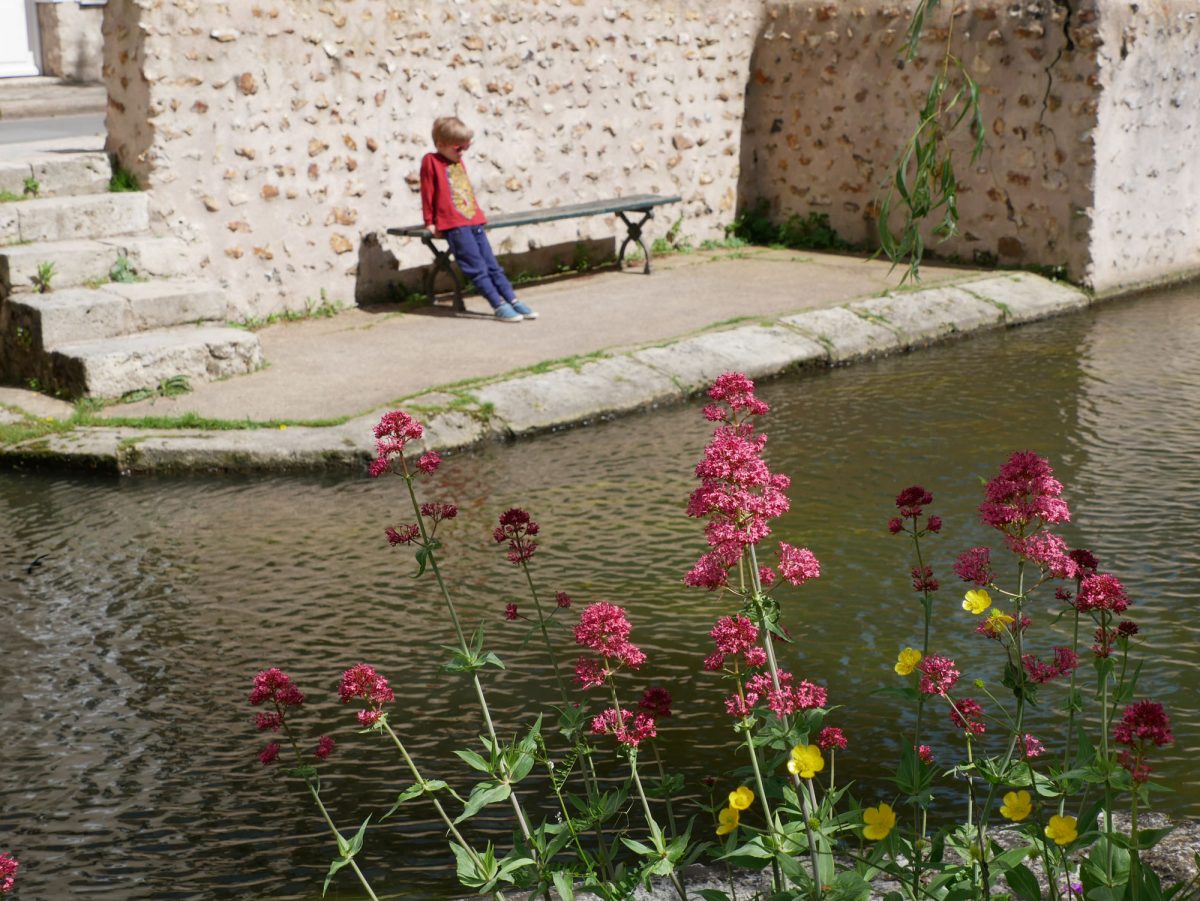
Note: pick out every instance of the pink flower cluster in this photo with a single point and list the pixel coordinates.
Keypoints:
(975, 566)
(938, 675)
(735, 635)
(1024, 492)
(1101, 591)
(518, 530)
(1106, 638)
(394, 431)
(629, 728)
(1033, 747)
(791, 696)
(8, 873)
(831, 737)
(605, 629)
(406, 534)
(967, 714)
(436, 512)
(738, 493)
(325, 746)
(276, 686)
(361, 681)
(1047, 551)
(1039, 671)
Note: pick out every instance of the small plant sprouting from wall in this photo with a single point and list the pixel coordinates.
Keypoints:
(811, 232)
(122, 271)
(924, 184)
(123, 181)
(32, 186)
(41, 281)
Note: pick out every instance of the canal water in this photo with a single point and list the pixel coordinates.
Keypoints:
(129, 759)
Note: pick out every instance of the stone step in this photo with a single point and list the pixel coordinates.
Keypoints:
(73, 218)
(79, 262)
(83, 314)
(112, 367)
(57, 174)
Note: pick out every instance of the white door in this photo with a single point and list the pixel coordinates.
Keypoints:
(18, 38)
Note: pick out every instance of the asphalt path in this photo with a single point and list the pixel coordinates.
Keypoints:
(28, 131)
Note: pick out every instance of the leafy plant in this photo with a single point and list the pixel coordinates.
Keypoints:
(123, 181)
(122, 270)
(9, 197)
(32, 186)
(811, 232)
(45, 273)
(169, 387)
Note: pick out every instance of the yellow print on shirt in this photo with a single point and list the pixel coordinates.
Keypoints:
(460, 190)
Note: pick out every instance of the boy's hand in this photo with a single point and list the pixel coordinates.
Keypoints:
(437, 234)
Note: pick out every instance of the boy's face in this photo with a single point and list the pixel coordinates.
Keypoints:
(453, 152)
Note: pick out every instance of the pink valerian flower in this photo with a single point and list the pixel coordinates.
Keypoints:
(924, 753)
(1143, 724)
(406, 534)
(797, 564)
(755, 657)
(938, 675)
(733, 634)
(968, 716)
(975, 565)
(1101, 591)
(518, 530)
(1033, 748)
(656, 702)
(325, 746)
(510, 611)
(933, 524)
(1025, 491)
(361, 681)
(628, 728)
(996, 630)
(394, 431)
(437, 511)
(8, 873)
(604, 628)
(923, 580)
(1065, 660)
(791, 696)
(831, 737)
(590, 672)
(740, 707)
(1085, 561)
(1047, 551)
(276, 686)
(912, 501)
(428, 462)
(562, 600)
(766, 576)
(1062, 594)
(269, 754)
(1038, 670)
(895, 525)
(736, 390)
(711, 572)
(268, 722)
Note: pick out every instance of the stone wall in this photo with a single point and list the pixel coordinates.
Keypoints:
(830, 104)
(281, 136)
(1146, 222)
(70, 34)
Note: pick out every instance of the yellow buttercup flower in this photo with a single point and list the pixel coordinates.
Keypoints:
(741, 798)
(806, 761)
(907, 661)
(727, 821)
(1062, 830)
(1017, 805)
(977, 601)
(878, 822)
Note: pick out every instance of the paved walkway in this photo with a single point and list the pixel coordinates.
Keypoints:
(40, 97)
(605, 344)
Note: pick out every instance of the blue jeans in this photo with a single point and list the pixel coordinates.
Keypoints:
(473, 252)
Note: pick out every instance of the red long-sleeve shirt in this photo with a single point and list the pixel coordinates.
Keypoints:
(447, 198)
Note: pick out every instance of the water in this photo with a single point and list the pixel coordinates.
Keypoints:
(129, 755)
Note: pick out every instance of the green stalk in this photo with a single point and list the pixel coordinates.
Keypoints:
(777, 884)
(662, 779)
(354, 866)
(1068, 750)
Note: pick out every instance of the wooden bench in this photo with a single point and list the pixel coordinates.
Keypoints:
(622, 206)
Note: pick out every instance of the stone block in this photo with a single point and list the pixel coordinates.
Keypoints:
(693, 364)
(111, 367)
(1024, 297)
(566, 397)
(10, 228)
(156, 257)
(73, 314)
(160, 304)
(75, 262)
(273, 450)
(934, 314)
(846, 336)
(12, 177)
(74, 173)
(84, 216)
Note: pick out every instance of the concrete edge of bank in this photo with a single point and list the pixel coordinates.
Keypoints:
(598, 390)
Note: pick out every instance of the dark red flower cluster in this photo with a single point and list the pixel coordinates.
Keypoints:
(518, 530)
(394, 431)
(276, 686)
(975, 566)
(912, 502)
(406, 534)
(831, 737)
(1024, 492)
(1039, 671)
(656, 702)
(562, 599)
(361, 681)
(428, 462)
(1085, 561)
(325, 746)
(967, 714)
(510, 611)
(1107, 638)
(437, 512)
(923, 580)
(1143, 724)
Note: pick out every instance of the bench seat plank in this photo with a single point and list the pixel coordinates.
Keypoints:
(638, 203)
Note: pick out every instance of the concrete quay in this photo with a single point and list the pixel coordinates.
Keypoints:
(606, 344)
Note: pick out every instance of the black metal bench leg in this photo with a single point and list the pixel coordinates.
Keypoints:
(634, 233)
(442, 262)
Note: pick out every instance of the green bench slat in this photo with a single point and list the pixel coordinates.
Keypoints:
(638, 203)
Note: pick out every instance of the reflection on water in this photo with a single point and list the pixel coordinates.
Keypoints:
(129, 753)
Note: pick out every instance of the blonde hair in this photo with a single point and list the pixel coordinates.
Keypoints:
(448, 130)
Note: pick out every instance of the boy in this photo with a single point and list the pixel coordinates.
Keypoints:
(448, 203)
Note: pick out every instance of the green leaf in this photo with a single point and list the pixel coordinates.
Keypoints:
(357, 841)
(711, 894)
(490, 659)
(482, 795)
(338, 863)
(468, 870)
(637, 847)
(474, 761)
(1023, 883)
(408, 794)
(564, 884)
(422, 561)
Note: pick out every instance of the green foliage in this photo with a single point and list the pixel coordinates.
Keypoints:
(123, 181)
(45, 274)
(9, 197)
(32, 186)
(323, 309)
(812, 232)
(123, 271)
(169, 387)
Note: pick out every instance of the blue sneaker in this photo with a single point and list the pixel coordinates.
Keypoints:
(523, 310)
(505, 313)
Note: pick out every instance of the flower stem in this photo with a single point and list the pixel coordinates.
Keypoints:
(776, 874)
(325, 813)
